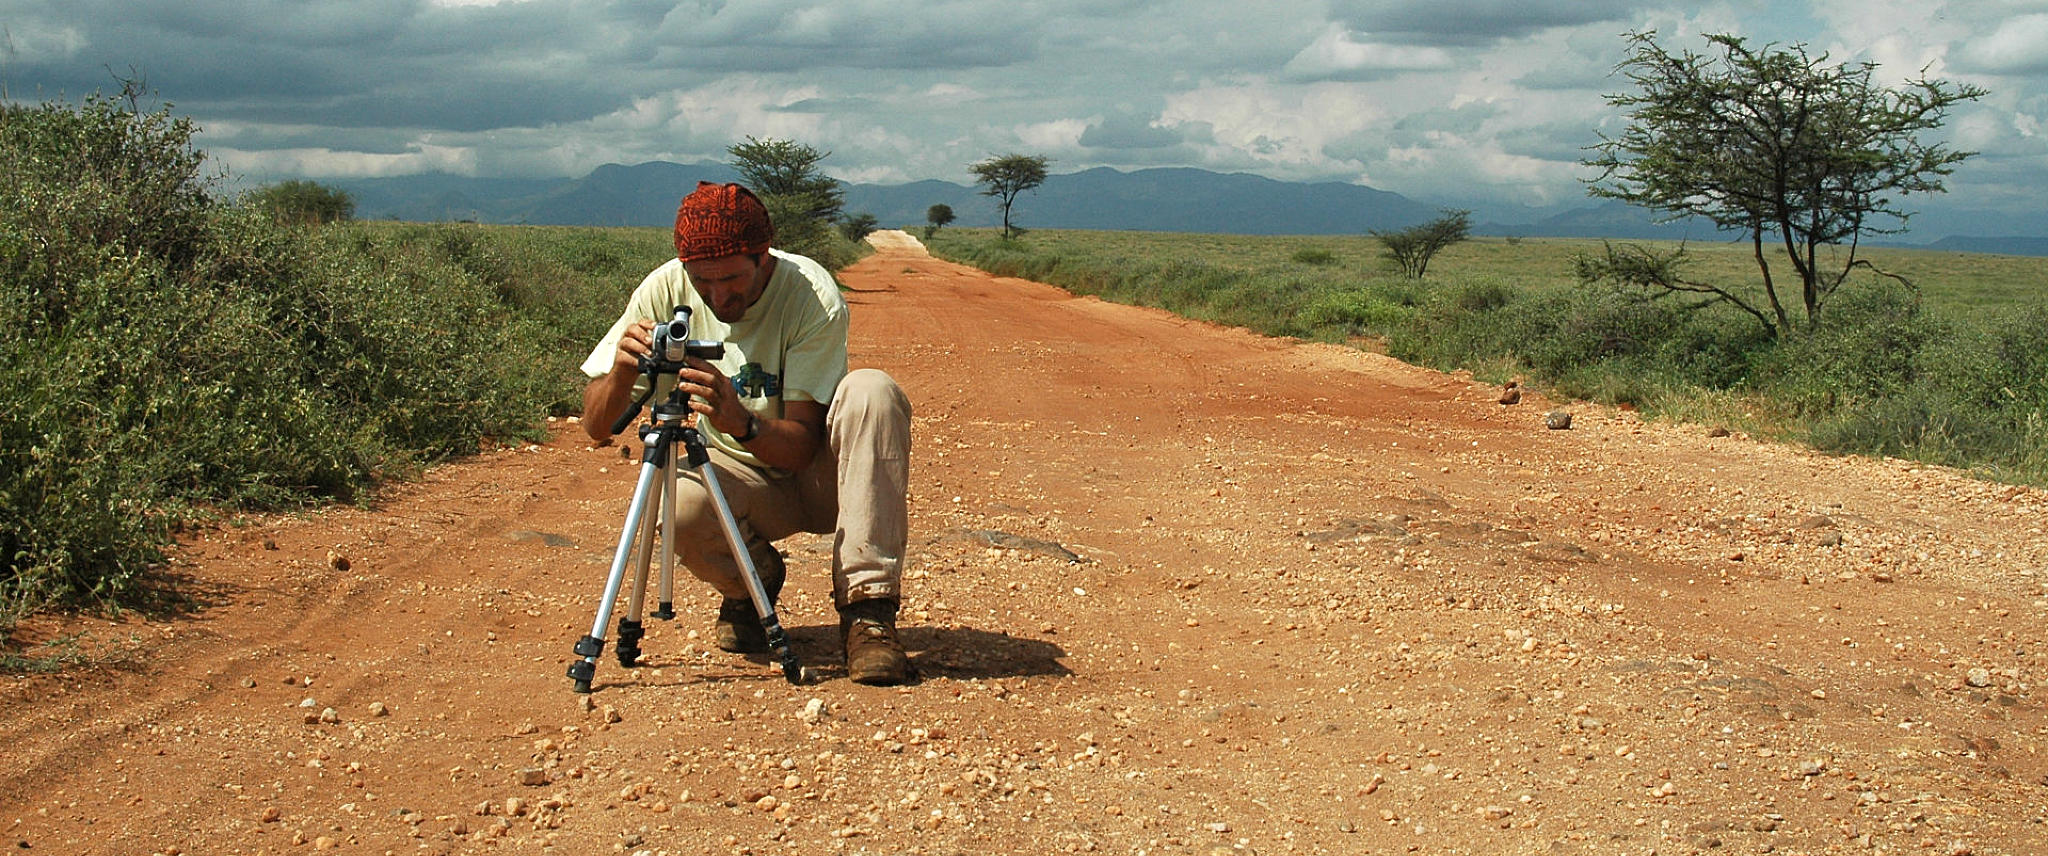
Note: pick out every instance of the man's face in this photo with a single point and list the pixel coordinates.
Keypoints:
(728, 284)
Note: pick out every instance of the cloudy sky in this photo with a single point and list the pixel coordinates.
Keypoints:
(1469, 102)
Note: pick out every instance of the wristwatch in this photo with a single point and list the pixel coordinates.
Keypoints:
(753, 429)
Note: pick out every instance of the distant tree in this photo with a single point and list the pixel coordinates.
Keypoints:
(789, 170)
(1768, 142)
(1413, 247)
(304, 202)
(856, 227)
(802, 201)
(1005, 176)
(936, 217)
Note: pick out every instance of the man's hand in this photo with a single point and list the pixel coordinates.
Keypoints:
(636, 342)
(713, 397)
(607, 397)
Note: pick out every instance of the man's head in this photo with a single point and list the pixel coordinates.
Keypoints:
(722, 238)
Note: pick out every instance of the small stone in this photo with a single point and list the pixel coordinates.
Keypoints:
(272, 815)
(533, 777)
(514, 807)
(611, 714)
(377, 708)
(326, 843)
(1496, 812)
(337, 561)
(1557, 420)
(1813, 767)
(1979, 678)
(813, 712)
(248, 682)
(329, 716)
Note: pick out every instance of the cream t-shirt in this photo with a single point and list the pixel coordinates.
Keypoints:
(791, 346)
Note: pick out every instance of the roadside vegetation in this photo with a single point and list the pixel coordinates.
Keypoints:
(169, 354)
(1952, 370)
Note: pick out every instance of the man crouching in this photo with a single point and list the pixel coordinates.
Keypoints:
(801, 444)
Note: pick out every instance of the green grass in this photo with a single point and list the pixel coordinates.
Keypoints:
(1952, 370)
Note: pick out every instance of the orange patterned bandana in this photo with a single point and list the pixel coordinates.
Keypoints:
(719, 220)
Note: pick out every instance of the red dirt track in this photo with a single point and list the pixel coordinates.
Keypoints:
(1174, 589)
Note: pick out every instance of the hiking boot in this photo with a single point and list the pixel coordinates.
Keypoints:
(874, 655)
(739, 629)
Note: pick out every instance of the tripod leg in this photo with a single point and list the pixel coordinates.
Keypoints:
(777, 639)
(665, 603)
(590, 647)
(631, 630)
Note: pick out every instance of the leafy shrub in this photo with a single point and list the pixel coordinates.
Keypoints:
(1315, 256)
(1354, 312)
(304, 202)
(163, 351)
(1864, 350)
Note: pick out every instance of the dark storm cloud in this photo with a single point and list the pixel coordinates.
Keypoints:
(358, 64)
(411, 63)
(1471, 22)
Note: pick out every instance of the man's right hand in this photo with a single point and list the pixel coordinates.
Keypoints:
(607, 397)
(637, 341)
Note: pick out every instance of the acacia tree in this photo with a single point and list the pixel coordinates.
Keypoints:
(936, 217)
(1413, 247)
(1005, 176)
(1774, 143)
(802, 201)
(857, 227)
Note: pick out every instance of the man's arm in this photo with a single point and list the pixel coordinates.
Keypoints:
(608, 395)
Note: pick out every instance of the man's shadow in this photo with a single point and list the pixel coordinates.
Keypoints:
(953, 653)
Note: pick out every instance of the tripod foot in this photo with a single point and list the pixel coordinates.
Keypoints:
(666, 611)
(628, 648)
(580, 673)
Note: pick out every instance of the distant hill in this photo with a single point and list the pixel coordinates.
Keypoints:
(1158, 200)
(1997, 246)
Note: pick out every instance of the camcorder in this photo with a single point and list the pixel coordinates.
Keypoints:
(672, 343)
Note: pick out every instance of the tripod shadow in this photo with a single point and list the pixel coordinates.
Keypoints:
(961, 654)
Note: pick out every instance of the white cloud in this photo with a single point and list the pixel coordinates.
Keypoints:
(33, 41)
(328, 163)
(2018, 46)
(1337, 54)
(1285, 128)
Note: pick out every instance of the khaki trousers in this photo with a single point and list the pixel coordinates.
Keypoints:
(856, 488)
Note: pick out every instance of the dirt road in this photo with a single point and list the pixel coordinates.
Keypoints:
(1175, 589)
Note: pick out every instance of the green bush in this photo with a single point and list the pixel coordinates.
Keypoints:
(1864, 350)
(164, 352)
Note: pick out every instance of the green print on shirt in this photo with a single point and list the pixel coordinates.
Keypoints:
(752, 382)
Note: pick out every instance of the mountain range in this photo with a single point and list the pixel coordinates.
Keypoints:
(1160, 199)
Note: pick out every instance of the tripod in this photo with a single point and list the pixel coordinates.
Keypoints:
(658, 478)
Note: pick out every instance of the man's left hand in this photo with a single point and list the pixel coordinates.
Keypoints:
(712, 396)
